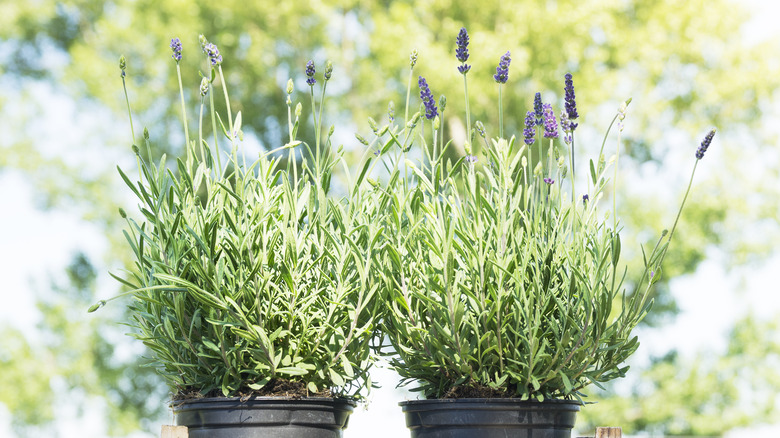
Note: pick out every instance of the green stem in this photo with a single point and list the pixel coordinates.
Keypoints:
(234, 148)
(184, 115)
(408, 94)
(468, 116)
(316, 133)
(200, 130)
(214, 128)
(573, 197)
(319, 116)
(129, 113)
(500, 115)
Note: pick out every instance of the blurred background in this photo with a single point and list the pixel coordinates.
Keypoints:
(709, 364)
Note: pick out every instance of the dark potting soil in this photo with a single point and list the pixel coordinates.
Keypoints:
(274, 388)
(477, 391)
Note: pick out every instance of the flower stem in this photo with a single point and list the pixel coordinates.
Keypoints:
(214, 128)
(500, 115)
(129, 113)
(468, 116)
(230, 120)
(184, 116)
(200, 130)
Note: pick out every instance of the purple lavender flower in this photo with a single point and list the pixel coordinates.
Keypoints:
(502, 71)
(538, 108)
(462, 52)
(529, 130)
(705, 144)
(471, 159)
(213, 53)
(571, 104)
(585, 198)
(310, 73)
(549, 181)
(550, 125)
(427, 97)
(176, 47)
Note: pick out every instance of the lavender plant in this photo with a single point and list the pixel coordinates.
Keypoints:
(499, 284)
(248, 276)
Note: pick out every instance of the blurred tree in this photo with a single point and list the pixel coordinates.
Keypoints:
(705, 395)
(684, 63)
(75, 362)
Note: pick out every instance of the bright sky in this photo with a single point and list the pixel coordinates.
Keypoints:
(37, 244)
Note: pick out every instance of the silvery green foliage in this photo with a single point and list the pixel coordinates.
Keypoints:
(499, 278)
(506, 284)
(248, 273)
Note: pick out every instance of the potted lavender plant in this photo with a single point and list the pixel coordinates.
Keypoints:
(250, 285)
(506, 290)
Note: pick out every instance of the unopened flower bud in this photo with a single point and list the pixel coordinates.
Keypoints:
(480, 128)
(391, 111)
(289, 86)
(122, 213)
(361, 139)
(298, 110)
(328, 70)
(96, 306)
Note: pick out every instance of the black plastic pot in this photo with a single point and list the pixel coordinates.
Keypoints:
(274, 417)
(490, 418)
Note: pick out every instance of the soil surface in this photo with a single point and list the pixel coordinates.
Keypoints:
(274, 388)
(477, 391)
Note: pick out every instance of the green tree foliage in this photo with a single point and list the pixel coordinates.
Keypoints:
(74, 360)
(704, 395)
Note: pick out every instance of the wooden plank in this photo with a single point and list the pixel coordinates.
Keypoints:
(174, 432)
(609, 432)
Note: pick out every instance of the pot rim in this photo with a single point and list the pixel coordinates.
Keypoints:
(264, 400)
(495, 401)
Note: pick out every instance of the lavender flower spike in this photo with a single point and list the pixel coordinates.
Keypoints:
(502, 71)
(538, 108)
(529, 130)
(427, 97)
(310, 73)
(705, 144)
(571, 104)
(550, 125)
(176, 47)
(462, 52)
(213, 53)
